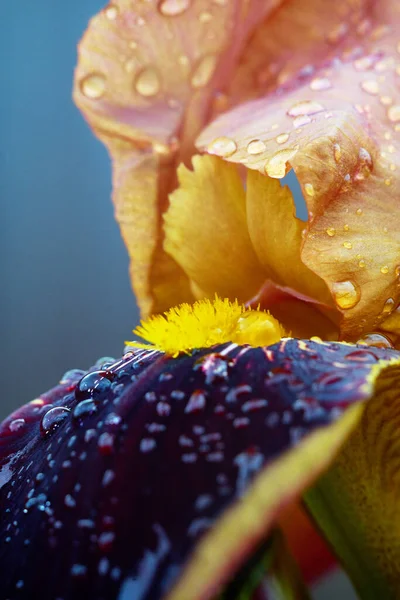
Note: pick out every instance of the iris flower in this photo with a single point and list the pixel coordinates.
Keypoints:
(169, 472)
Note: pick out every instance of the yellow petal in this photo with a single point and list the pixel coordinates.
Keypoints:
(206, 230)
(336, 121)
(148, 78)
(357, 502)
(276, 235)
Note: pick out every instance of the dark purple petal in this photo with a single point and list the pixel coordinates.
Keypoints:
(108, 483)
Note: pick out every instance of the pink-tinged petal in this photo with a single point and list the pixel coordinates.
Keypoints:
(155, 475)
(332, 112)
(148, 79)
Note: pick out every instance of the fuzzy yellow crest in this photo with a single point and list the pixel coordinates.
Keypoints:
(205, 323)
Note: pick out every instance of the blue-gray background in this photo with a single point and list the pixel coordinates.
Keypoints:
(65, 296)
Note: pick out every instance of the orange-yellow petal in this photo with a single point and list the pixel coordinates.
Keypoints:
(357, 502)
(148, 78)
(206, 230)
(276, 235)
(335, 118)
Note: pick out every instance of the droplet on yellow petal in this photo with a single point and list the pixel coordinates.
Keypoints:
(204, 71)
(173, 8)
(256, 147)
(222, 146)
(277, 166)
(376, 340)
(93, 85)
(147, 82)
(346, 294)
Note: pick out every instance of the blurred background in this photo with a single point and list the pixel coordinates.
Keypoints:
(65, 295)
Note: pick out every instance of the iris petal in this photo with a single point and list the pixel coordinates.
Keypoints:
(332, 113)
(157, 465)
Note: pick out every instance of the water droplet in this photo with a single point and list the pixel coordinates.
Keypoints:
(320, 83)
(93, 86)
(331, 231)
(347, 245)
(346, 294)
(388, 306)
(364, 63)
(370, 86)
(94, 385)
(337, 33)
(282, 138)
(173, 8)
(337, 152)
(197, 402)
(277, 165)
(376, 340)
(309, 189)
(106, 443)
(85, 409)
(16, 425)
(359, 211)
(111, 11)
(361, 263)
(384, 269)
(69, 501)
(204, 71)
(147, 82)
(53, 419)
(147, 445)
(222, 146)
(256, 147)
(394, 113)
(307, 107)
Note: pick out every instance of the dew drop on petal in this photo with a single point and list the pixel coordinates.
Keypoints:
(388, 306)
(255, 147)
(222, 146)
(173, 8)
(320, 83)
(376, 340)
(361, 263)
(147, 82)
(370, 86)
(52, 419)
(282, 138)
(111, 11)
(347, 245)
(277, 165)
(384, 269)
(93, 86)
(346, 294)
(394, 113)
(307, 107)
(331, 231)
(204, 71)
(309, 189)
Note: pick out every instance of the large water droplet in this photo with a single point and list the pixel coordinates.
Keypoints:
(93, 86)
(309, 189)
(204, 71)
(173, 8)
(222, 146)
(256, 147)
(147, 82)
(53, 419)
(277, 165)
(94, 385)
(388, 306)
(331, 231)
(376, 340)
(85, 408)
(308, 107)
(346, 294)
(300, 121)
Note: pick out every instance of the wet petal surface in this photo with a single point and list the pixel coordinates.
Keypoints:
(113, 483)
